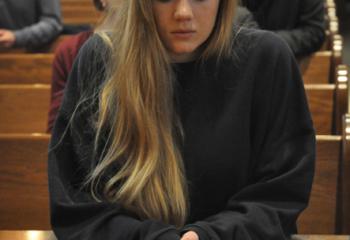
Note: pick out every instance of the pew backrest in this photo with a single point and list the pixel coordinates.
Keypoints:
(23, 182)
(25, 68)
(321, 216)
(24, 108)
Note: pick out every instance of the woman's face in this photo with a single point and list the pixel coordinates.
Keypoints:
(183, 25)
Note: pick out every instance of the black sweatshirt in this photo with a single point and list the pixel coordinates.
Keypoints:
(249, 149)
(301, 23)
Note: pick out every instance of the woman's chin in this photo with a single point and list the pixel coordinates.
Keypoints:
(184, 54)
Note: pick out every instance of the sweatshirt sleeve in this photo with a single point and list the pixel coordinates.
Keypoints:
(74, 213)
(309, 34)
(45, 30)
(60, 71)
(283, 154)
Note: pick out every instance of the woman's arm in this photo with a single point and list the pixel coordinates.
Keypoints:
(283, 152)
(45, 30)
(74, 213)
(309, 34)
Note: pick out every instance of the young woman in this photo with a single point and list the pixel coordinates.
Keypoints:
(175, 125)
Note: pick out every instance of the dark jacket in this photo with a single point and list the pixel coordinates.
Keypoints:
(248, 152)
(299, 22)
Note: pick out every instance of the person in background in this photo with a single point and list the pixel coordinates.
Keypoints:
(176, 125)
(301, 23)
(244, 18)
(29, 23)
(62, 64)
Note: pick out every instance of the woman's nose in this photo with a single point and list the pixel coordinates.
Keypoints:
(183, 10)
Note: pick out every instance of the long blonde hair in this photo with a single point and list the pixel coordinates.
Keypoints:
(136, 105)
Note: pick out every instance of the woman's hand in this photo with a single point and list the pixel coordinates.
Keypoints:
(190, 235)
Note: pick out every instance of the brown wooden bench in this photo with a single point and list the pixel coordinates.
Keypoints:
(321, 215)
(326, 106)
(23, 181)
(49, 235)
(345, 178)
(321, 66)
(24, 108)
(76, 2)
(79, 12)
(316, 68)
(328, 103)
(21, 68)
(320, 237)
(23, 172)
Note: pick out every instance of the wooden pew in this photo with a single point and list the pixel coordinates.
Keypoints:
(321, 104)
(78, 3)
(79, 12)
(316, 68)
(321, 216)
(328, 103)
(345, 178)
(24, 108)
(337, 51)
(18, 103)
(23, 181)
(321, 66)
(320, 237)
(21, 68)
(49, 235)
(326, 46)
(23, 172)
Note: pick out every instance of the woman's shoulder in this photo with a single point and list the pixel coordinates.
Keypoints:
(96, 46)
(89, 68)
(256, 44)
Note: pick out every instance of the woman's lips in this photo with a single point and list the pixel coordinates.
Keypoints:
(183, 34)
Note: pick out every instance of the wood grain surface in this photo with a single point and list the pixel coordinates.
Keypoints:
(23, 182)
(24, 108)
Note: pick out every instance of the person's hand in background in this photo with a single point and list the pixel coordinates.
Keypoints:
(7, 38)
